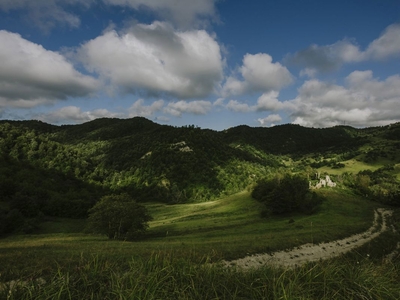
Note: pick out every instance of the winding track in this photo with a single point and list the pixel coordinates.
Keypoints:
(312, 252)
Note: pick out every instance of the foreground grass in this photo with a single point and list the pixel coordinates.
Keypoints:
(180, 260)
(166, 277)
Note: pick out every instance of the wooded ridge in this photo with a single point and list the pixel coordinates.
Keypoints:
(64, 170)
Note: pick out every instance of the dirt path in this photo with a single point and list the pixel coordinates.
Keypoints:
(312, 252)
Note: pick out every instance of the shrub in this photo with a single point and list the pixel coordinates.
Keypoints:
(118, 217)
(285, 195)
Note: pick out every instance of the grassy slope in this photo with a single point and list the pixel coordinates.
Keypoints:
(232, 226)
(226, 228)
(78, 266)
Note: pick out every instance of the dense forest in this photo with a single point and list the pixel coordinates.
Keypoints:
(48, 170)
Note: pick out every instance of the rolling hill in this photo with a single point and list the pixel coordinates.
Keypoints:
(63, 170)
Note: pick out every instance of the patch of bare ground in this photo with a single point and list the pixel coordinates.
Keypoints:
(315, 252)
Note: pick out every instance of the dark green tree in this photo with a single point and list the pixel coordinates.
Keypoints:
(118, 217)
(13, 221)
(286, 194)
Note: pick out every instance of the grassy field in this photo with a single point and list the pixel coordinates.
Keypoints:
(61, 262)
(353, 166)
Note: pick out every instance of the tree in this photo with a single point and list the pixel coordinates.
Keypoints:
(118, 217)
(286, 194)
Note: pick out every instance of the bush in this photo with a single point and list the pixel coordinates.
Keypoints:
(311, 203)
(118, 217)
(285, 195)
(13, 221)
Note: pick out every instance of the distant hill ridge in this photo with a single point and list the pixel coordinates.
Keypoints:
(136, 156)
(279, 139)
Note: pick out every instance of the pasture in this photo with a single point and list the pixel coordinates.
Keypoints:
(62, 262)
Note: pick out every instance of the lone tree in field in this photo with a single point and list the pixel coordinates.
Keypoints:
(286, 194)
(118, 217)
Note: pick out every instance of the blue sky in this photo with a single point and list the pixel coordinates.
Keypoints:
(214, 64)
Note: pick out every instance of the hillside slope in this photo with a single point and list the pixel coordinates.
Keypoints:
(63, 170)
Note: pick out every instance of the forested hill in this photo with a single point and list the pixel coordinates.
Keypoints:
(62, 170)
(295, 139)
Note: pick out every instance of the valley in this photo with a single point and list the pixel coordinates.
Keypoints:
(197, 186)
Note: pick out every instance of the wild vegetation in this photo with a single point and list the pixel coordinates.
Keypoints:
(286, 195)
(118, 217)
(181, 259)
(196, 185)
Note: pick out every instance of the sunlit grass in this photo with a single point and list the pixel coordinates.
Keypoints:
(236, 221)
(353, 166)
(224, 229)
(177, 265)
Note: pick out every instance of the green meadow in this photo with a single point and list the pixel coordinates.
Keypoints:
(196, 184)
(179, 258)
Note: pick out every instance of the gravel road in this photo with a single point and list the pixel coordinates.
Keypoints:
(314, 252)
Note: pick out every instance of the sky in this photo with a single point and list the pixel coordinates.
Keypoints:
(210, 63)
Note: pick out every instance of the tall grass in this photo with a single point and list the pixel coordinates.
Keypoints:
(185, 264)
(167, 277)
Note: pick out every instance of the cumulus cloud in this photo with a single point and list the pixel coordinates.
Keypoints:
(270, 120)
(266, 102)
(139, 109)
(155, 59)
(331, 57)
(31, 75)
(326, 58)
(270, 102)
(259, 74)
(46, 14)
(74, 114)
(309, 72)
(363, 101)
(219, 102)
(184, 13)
(237, 106)
(198, 107)
(387, 45)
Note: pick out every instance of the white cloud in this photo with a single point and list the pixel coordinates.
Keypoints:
(154, 59)
(365, 101)
(326, 58)
(31, 75)
(237, 106)
(270, 120)
(46, 14)
(269, 102)
(331, 57)
(387, 45)
(266, 102)
(310, 72)
(219, 102)
(383, 93)
(233, 86)
(199, 107)
(259, 74)
(139, 109)
(184, 13)
(329, 95)
(74, 114)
